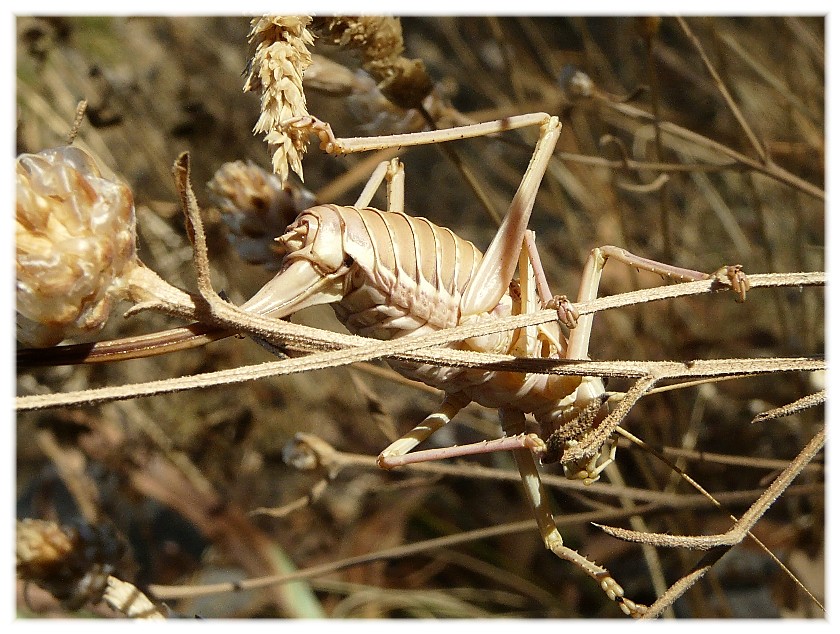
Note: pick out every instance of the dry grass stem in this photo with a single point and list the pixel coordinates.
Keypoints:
(812, 400)
(721, 86)
(452, 358)
(743, 524)
(772, 170)
(407, 550)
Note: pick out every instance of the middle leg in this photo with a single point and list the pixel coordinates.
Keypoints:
(579, 337)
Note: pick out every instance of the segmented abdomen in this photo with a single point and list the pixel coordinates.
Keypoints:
(407, 274)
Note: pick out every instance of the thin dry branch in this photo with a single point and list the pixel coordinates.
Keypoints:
(305, 338)
(164, 592)
(363, 350)
(812, 400)
(769, 169)
(452, 358)
(330, 461)
(676, 590)
(719, 544)
(742, 526)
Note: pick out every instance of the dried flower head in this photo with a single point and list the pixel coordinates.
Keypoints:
(257, 208)
(276, 69)
(71, 562)
(75, 241)
(40, 546)
(403, 81)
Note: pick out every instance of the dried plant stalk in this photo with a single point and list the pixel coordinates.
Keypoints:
(221, 313)
(743, 524)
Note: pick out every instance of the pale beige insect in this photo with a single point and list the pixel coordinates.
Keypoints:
(390, 275)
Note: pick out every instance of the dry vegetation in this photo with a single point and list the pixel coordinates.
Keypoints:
(181, 477)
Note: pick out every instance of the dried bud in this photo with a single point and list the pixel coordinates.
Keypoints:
(75, 242)
(575, 82)
(257, 208)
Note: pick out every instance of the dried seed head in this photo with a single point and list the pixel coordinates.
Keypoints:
(257, 208)
(276, 69)
(75, 242)
(71, 562)
(403, 81)
(39, 547)
(375, 112)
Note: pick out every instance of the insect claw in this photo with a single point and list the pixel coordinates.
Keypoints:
(611, 588)
(733, 276)
(327, 141)
(567, 314)
(535, 444)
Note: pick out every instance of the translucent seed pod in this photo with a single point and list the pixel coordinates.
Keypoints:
(257, 208)
(75, 244)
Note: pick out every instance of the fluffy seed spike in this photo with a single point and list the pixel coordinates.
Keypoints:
(280, 57)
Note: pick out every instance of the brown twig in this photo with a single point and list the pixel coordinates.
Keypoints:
(724, 91)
